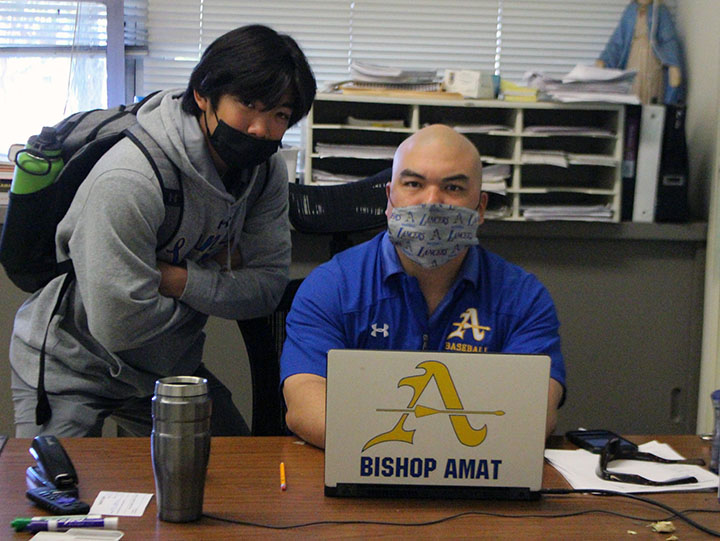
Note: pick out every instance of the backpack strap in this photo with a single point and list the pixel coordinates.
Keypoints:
(76, 170)
(168, 176)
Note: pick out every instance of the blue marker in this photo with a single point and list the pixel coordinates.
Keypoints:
(60, 524)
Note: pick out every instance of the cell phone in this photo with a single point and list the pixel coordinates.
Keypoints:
(59, 502)
(595, 440)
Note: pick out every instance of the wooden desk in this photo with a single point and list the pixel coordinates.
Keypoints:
(243, 483)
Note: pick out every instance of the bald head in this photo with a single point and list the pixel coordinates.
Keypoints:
(440, 143)
(437, 165)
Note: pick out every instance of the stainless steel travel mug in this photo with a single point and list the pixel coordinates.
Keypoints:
(180, 446)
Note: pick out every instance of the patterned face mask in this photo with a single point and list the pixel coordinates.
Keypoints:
(433, 234)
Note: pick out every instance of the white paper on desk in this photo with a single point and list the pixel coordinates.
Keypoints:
(578, 468)
(124, 504)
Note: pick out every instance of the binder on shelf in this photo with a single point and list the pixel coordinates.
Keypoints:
(672, 191)
(629, 161)
(652, 123)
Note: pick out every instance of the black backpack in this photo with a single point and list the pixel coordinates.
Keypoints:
(27, 245)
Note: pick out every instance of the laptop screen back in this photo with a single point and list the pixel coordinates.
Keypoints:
(406, 423)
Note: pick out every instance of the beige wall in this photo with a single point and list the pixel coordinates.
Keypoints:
(698, 22)
(10, 300)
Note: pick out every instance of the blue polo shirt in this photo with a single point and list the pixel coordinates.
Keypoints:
(363, 299)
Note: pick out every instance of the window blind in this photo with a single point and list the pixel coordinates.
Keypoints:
(173, 48)
(319, 26)
(424, 34)
(46, 23)
(136, 16)
(50, 23)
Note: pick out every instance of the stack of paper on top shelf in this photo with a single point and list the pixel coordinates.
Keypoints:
(578, 467)
(373, 73)
(586, 83)
(367, 78)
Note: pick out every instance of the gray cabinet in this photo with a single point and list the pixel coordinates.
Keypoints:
(629, 297)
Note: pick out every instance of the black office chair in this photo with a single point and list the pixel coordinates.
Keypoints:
(340, 209)
(337, 210)
(264, 338)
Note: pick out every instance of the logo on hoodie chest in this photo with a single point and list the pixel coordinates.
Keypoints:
(205, 245)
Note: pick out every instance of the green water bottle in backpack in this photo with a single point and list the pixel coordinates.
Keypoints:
(38, 164)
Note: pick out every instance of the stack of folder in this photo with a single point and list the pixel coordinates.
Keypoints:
(586, 84)
(362, 72)
(510, 91)
(372, 79)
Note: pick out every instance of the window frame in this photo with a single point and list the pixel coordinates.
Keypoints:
(114, 49)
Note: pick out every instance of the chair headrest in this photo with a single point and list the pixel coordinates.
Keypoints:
(340, 208)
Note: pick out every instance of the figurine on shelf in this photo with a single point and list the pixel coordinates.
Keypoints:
(650, 46)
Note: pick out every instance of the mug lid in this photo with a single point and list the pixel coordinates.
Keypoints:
(180, 386)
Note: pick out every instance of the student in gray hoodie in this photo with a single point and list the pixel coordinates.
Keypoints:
(136, 313)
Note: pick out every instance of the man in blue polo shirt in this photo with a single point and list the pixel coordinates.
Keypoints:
(424, 284)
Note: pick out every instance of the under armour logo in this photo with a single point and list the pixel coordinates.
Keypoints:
(383, 330)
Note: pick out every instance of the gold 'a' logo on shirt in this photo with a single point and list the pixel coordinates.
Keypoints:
(434, 370)
(469, 320)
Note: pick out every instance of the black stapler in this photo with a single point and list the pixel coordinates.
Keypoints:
(52, 483)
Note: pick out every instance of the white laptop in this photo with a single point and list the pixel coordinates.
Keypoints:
(435, 424)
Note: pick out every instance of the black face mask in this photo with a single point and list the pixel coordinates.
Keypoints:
(239, 150)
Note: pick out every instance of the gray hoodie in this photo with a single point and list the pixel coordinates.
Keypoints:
(115, 334)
